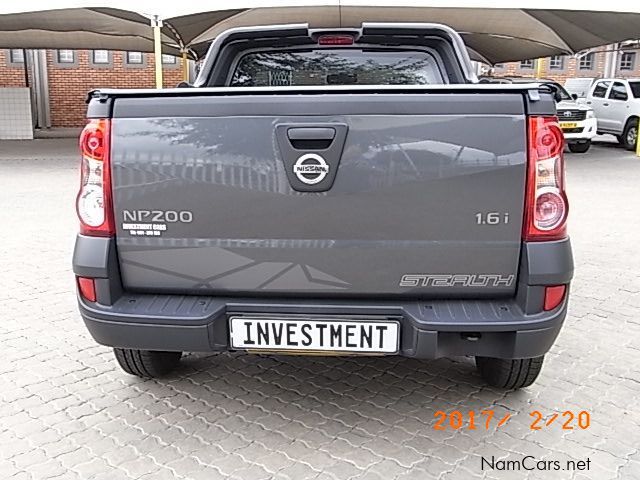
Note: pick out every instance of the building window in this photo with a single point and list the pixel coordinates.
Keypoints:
(134, 58)
(586, 62)
(168, 59)
(527, 64)
(100, 57)
(499, 65)
(628, 61)
(66, 56)
(556, 62)
(16, 55)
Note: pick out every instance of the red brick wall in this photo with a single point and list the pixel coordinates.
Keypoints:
(68, 85)
(10, 75)
(570, 69)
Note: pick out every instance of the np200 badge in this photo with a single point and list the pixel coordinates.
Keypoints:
(311, 168)
(168, 216)
(460, 280)
(152, 223)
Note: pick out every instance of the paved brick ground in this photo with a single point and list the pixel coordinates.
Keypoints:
(67, 411)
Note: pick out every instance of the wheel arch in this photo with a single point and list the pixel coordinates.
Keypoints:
(630, 118)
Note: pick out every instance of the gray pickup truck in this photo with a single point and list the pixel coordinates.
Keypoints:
(350, 191)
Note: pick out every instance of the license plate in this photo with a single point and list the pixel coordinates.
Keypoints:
(317, 335)
(565, 125)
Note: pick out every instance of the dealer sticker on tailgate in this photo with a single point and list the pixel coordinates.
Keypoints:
(314, 335)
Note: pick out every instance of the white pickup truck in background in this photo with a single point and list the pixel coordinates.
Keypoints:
(577, 120)
(616, 103)
(579, 86)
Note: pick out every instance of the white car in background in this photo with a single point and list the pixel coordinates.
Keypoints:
(577, 119)
(579, 85)
(616, 102)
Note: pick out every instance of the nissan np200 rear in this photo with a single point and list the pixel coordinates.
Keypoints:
(349, 192)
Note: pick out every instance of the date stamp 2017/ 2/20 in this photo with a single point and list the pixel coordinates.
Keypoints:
(487, 419)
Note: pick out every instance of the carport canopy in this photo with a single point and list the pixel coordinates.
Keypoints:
(78, 28)
(493, 34)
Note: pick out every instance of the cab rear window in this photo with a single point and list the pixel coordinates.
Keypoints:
(335, 67)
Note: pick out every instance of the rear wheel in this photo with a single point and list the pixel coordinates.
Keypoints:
(146, 363)
(630, 134)
(582, 147)
(510, 374)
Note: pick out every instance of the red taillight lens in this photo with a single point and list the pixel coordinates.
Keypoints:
(335, 40)
(93, 204)
(87, 287)
(553, 296)
(546, 205)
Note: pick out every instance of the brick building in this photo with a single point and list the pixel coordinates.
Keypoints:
(593, 64)
(72, 73)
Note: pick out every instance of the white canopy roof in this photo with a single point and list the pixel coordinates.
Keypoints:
(92, 28)
(493, 34)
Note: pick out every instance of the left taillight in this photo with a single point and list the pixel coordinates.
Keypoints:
(94, 203)
(546, 205)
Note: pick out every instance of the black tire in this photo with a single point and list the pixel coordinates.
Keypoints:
(582, 147)
(147, 363)
(509, 374)
(620, 139)
(630, 134)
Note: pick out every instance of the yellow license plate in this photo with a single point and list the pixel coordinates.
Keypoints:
(565, 125)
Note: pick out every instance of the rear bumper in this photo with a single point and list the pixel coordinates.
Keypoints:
(428, 329)
(585, 130)
(506, 328)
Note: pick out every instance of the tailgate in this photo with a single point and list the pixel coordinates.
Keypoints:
(379, 194)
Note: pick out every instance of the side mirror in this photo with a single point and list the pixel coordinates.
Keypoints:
(574, 96)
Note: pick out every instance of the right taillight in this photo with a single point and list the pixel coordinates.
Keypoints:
(546, 205)
(93, 203)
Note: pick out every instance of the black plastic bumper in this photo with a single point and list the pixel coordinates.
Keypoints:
(505, 328)
(428, 329)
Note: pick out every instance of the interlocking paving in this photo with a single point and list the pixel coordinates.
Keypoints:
(68, 412)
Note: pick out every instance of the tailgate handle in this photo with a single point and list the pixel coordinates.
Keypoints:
(311, 138)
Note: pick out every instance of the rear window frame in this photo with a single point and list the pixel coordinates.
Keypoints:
(441, 71)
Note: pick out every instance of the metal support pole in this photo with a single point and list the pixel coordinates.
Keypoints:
(40, 88)
(539, 65)
(614, 61)
(25, 64)
(156, 24)
(185, 66)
